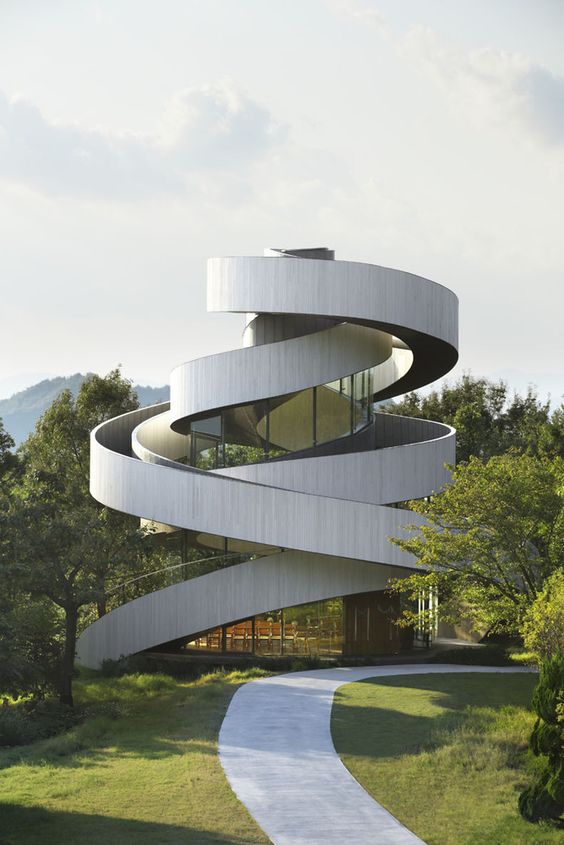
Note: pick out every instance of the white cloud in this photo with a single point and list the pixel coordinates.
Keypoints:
(364, 14)
(491, 86)
(544, 102)
(206, 132)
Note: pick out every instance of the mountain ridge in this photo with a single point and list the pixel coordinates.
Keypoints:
(21, 411)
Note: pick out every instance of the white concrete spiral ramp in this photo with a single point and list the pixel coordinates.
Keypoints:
(324, 339)
(276, 749)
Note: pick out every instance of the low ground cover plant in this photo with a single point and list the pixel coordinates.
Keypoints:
(30, 720)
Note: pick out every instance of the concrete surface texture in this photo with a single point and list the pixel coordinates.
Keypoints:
(276, 749)
(325, 504)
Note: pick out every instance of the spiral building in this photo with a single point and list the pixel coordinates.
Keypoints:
(272, 459)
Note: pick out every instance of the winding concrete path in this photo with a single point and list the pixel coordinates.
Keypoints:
(276, 749)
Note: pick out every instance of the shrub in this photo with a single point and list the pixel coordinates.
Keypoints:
(544, 799)
(30, 648)
(29, 721)
(15, 727)
(132, 665)
(543, 627)
(186, 669)
(489, 655)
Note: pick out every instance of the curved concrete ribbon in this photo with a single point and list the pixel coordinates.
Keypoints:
(310, 321)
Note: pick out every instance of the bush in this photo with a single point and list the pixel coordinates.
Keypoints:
(186, 669)
(15, 727)
(29, 721)
(30, 648)
(544, 799)
(543, 627)
(489, 655)
(134, 664)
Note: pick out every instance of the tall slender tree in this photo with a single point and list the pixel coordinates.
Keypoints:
(63, 545)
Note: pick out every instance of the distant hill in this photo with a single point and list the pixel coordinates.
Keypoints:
(22, 410)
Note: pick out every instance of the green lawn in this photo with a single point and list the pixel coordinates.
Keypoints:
(446, 754)
(151, 775)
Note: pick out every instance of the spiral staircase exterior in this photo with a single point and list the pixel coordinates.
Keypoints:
(276, 452)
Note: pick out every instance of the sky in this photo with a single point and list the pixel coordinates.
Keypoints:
(138, 138)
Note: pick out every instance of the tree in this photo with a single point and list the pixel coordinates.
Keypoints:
(30, 645)
(63, 545)
(490, 540)
(487, 421)
(8, 460)
(20, 651)
(543, 627)
(544, 799)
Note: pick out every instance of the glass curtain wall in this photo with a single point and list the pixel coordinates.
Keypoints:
(356, 625)
(205, 443)
(315, 628)
(271, 428)
(307, 629)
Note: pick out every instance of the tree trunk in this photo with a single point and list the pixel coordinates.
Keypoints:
(101, 598)
(67, 663)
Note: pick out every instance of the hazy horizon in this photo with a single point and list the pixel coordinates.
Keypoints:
(137, 141)
(546, 386)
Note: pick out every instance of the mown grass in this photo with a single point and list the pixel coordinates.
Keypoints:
(142, 768)
(445, 754)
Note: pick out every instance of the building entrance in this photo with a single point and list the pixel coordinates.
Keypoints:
(370, 626)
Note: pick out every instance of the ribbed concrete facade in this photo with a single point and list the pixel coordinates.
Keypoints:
(276, 446)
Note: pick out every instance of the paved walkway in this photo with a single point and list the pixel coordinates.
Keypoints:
(276, 749)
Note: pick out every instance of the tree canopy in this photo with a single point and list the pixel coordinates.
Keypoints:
(60, 544)
(487, 419)
(8, 460)
(490, 540)
(543, 626)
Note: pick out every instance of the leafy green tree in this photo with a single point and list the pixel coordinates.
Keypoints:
(8, 460)
(488, 422)
(551, 435)
(20, 659)
(543, 628)
(63, 545)
(544, 799)
(30, 645)
(490, 540)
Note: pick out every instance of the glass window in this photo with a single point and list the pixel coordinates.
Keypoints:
(362, 399)
(333, 417)
(315, 628)
(277, 426)
(269, 633)
(209, 425)
(239, 637)
(359, 624)
(245, 432)
(207, 641)
(290, 423)
(204, 451)
(346, 385)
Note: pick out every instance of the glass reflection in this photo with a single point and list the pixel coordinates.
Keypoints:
(272, 428)
(312, 629)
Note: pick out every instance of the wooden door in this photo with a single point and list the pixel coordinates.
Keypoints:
(369, 624)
